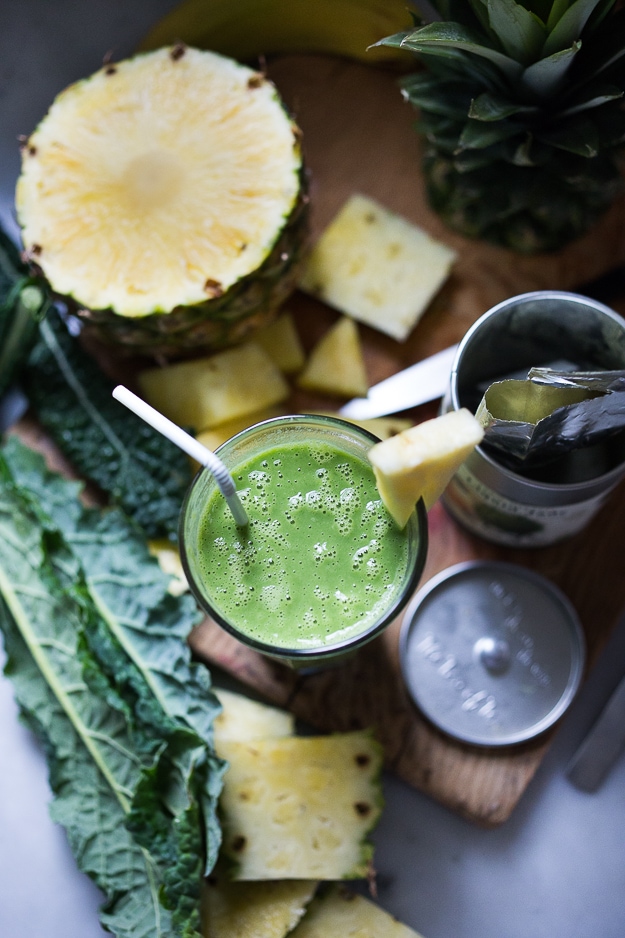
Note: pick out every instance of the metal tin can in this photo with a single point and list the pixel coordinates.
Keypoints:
(529, 330)
(491, 653)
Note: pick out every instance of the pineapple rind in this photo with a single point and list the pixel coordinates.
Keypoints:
(251, 910)
(377, 267)
(168, 186)
(301, 807)
(339, 913)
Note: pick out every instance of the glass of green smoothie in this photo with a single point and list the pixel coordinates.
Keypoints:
(321, 568)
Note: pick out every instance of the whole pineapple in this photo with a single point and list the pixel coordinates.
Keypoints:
(522, 115)
(164, 198)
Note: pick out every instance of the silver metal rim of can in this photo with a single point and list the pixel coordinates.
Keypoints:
(492, 683)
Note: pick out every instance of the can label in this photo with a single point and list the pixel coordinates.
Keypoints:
(504, 521)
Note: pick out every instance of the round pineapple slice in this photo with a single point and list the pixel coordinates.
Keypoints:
(164, 196)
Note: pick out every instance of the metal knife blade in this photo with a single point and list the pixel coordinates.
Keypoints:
(424, 381)
(602, 746)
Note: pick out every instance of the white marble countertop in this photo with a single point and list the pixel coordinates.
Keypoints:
(556, 868)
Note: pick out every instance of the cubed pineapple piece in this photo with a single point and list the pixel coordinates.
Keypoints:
(338, 913)
(253, 910)
(377, 266)
(243, 719)
(336, 364)
(301, 807)
(382, 427)
(282, 343)
(217, 435)
(420, 461)
(168, 557)
(206, 392)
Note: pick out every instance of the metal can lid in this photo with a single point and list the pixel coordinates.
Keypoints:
(491, 653)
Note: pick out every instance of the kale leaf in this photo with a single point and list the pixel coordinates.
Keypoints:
(141, 471)
(102, 673)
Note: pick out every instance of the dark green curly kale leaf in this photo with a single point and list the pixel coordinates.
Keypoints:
(137, 467)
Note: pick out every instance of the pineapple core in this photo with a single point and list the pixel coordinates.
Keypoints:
(155, 179)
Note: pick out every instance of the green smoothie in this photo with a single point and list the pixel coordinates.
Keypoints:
(321, 568)
(321, 560)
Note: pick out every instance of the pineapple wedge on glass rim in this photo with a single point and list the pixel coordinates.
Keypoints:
(164, 198)
(419, 462)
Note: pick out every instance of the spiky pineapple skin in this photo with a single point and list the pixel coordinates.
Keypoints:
(516, 207)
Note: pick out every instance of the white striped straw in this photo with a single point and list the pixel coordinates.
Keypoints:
(189, 445)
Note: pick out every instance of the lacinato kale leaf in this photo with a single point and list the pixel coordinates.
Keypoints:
(143, 472)
(97, 653)
(24, 301)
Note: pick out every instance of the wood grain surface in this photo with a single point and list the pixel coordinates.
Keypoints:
(359, 137)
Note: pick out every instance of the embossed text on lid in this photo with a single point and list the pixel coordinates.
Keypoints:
(491, 653)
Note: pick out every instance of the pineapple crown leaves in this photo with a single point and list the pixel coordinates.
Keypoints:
(529, 54)
(517, 79)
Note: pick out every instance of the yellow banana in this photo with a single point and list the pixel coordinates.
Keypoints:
(247, 29)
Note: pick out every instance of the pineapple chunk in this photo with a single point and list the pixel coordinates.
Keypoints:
(243, 719)
(419, 462)
(301, 807)
(382, 427)
(217, 435)
(210, 391)
(377, 267)
(252, 910)
(339, 913)
(168, 557)
(336, 364)
(282, 343)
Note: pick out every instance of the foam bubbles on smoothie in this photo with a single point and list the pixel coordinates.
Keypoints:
(311, 552)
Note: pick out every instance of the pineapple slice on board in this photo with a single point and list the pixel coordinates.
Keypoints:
(164, 194)
(217, 435)
(336, 364)
(376, 266)
(250, 910)
(243, 719)
(419, 462)
(282, 343)
(301, 807)
(206, 392)
(241, 909)
(338, 913)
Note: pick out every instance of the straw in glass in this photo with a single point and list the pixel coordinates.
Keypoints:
(189, 445)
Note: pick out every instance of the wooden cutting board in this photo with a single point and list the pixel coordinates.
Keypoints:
(359, 137)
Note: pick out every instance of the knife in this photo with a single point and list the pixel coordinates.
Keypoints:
(417, 384)
(602, 746)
